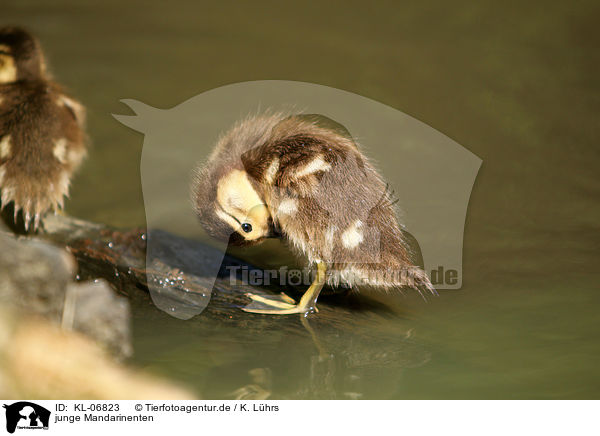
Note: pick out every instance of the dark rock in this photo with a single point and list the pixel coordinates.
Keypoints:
(37, 277)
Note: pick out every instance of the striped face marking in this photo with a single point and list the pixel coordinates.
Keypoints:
(240, 206)
(8, 69)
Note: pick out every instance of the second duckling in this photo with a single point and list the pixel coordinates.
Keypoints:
(42, 140)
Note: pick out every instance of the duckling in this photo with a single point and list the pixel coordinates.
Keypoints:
(41, 130)
(289, 176)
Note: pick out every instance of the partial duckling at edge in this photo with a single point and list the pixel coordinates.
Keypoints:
(42, 140)
(288, 176)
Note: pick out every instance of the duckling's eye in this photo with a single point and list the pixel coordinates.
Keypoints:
(246, 227)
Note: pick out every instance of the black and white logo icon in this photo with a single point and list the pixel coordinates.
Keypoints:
(26, 415)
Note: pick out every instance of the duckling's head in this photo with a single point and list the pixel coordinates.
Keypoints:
(229, 206)
(20, 56)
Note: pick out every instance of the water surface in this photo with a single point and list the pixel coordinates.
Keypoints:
(517, 86)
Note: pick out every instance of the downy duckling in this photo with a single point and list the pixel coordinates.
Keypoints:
(287, 176)
(41, 130)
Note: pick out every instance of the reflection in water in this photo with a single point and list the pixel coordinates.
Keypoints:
(338, 353)
(333, 363)
(260, 389)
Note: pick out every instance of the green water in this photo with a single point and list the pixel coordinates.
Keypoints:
(516, 85)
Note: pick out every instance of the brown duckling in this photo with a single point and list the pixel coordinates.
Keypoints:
(41, 130)
(290, 177)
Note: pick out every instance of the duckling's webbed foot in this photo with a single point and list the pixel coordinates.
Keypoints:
(273, 304)
(284, 305)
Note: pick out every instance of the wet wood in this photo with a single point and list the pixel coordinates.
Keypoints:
(119, 256)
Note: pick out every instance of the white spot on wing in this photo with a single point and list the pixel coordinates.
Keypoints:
(75, 156)
(60, 150)
(330, 234)
(5, 147)
(329, 240)
(8, 195)
(287, 207)
(316, 165)
(352, 236)
(272, 171)
(74, 106)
